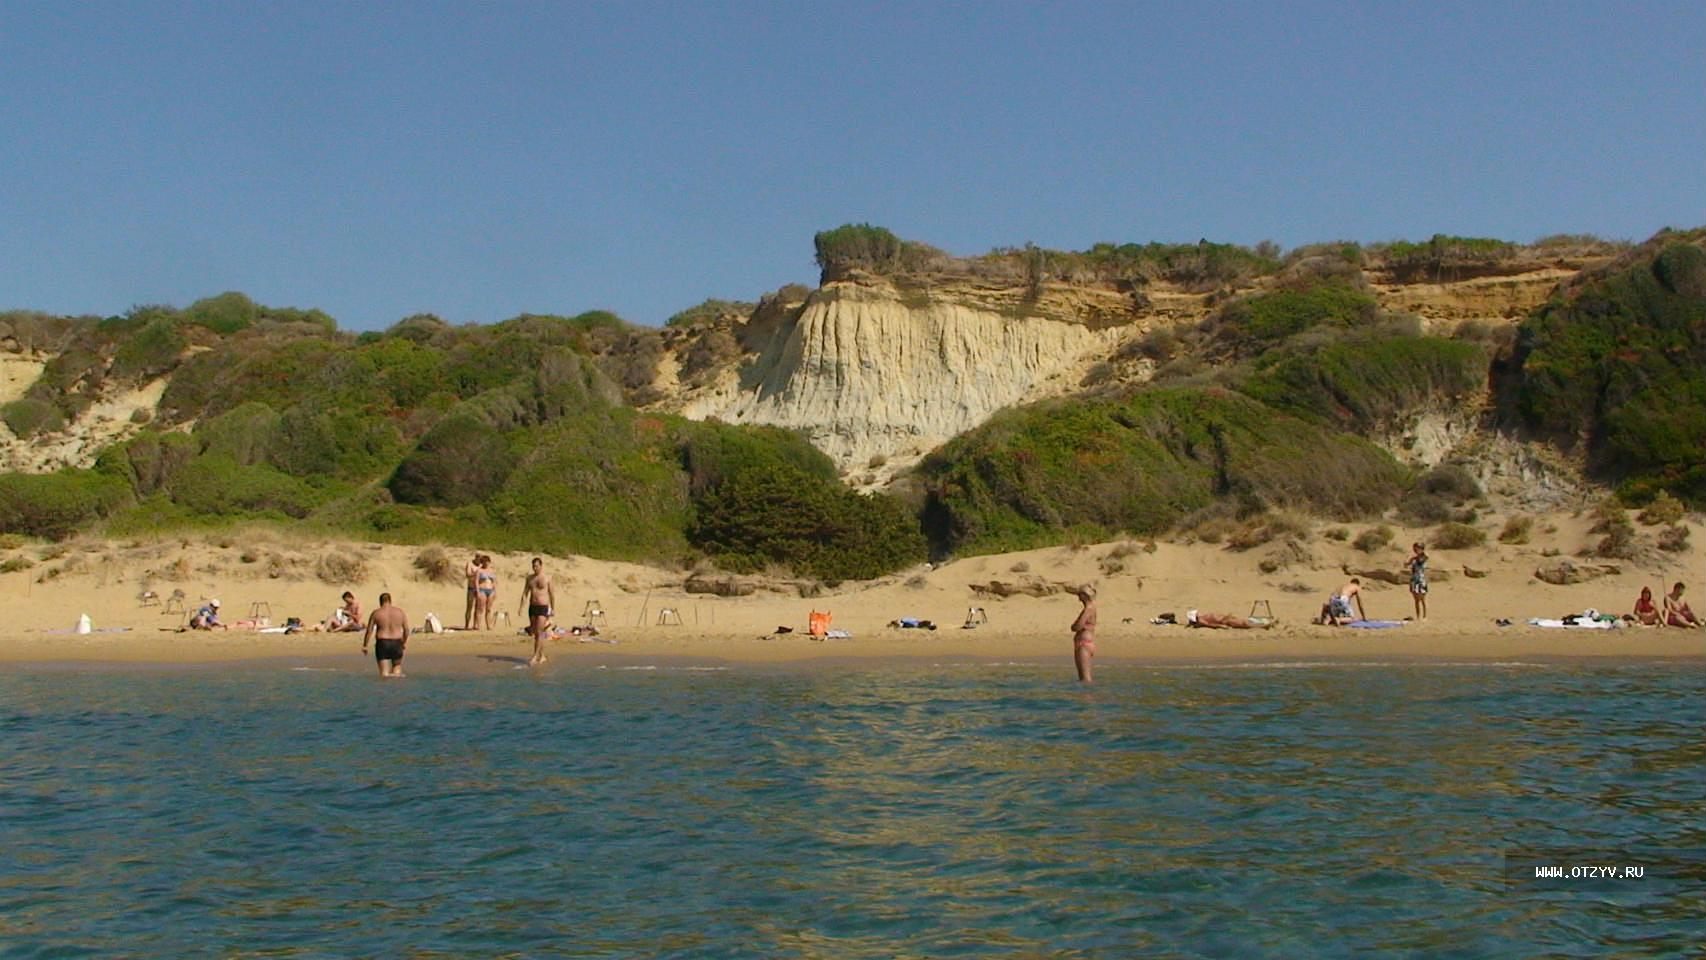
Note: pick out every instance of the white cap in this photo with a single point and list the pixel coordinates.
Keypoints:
(1190, 616)
(214, 602)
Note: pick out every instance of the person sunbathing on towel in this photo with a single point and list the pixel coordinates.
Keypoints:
(347, 618)
(1222, 621)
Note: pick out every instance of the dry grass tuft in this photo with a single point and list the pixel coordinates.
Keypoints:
(1664, 509)
(1372, 539)
(435, 565)
(340, 568)
(1517, 529)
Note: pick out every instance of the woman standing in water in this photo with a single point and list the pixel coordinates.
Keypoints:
(1084, 632)
(1418, 565)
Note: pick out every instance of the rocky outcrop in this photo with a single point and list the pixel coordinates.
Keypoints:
(876, 375)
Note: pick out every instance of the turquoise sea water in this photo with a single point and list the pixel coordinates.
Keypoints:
(850, 811)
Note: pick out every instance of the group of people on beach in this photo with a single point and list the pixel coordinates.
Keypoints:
(388, 626)
(1675, 613)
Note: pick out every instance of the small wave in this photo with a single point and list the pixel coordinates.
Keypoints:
(1339, 664)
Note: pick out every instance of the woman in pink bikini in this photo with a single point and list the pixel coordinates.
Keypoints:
(1084, 632)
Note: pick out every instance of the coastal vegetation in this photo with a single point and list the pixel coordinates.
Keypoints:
(535, 433)
(514, 436)
(1614, 367)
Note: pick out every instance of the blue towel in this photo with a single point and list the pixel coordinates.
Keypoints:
(1375, 624)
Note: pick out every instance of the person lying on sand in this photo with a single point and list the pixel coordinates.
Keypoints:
(1337, 610)
(1646, 611)
(1677, 613)
(1223, 621)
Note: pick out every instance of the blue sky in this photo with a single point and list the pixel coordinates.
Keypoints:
(479, 160)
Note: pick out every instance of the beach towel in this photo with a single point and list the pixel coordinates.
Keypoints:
(1572, 624)
(1374, 624)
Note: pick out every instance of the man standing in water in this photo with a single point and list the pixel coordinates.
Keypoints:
(1084, 632)
(388, 628)
(541, 599)
(471, 578)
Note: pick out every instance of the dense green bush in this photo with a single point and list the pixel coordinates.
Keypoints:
(816, 527)
(1619, 362)
(1271, 317)
(150, 351)
(214, 485)
(245, 434)
(226, 313)
(607, 483)
(461, 460)
(711, 310)
(27, 417)
(863, 246)
(149, 461)
(712, 453)
(1363, 382)
(56, 505)
(1140, 463)
(1410, 261)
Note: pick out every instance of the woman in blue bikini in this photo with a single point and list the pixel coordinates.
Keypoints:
(485, 588)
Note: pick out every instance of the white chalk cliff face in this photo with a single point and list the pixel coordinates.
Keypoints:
(876, 378)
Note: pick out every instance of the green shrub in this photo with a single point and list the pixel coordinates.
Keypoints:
(1272, 317)
(148, 462)
(816, 527)
(1139, 462)
(226, 313)
(150, 351)
(460, 460)
(1617, 364)
(15, 564)
(245, 434)
(215, 485)
(1362, 382)
(28, 418)
(56, 505)
(711, 310)
(312, 440)
(607, 484)
(1458, 536)
(1412, 261)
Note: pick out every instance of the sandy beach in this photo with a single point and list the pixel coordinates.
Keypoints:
(649, 616)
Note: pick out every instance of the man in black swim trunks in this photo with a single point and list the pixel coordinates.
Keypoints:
(388, 628)
(540, 598)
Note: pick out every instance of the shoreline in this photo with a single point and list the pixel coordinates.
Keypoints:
(1425, 644)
